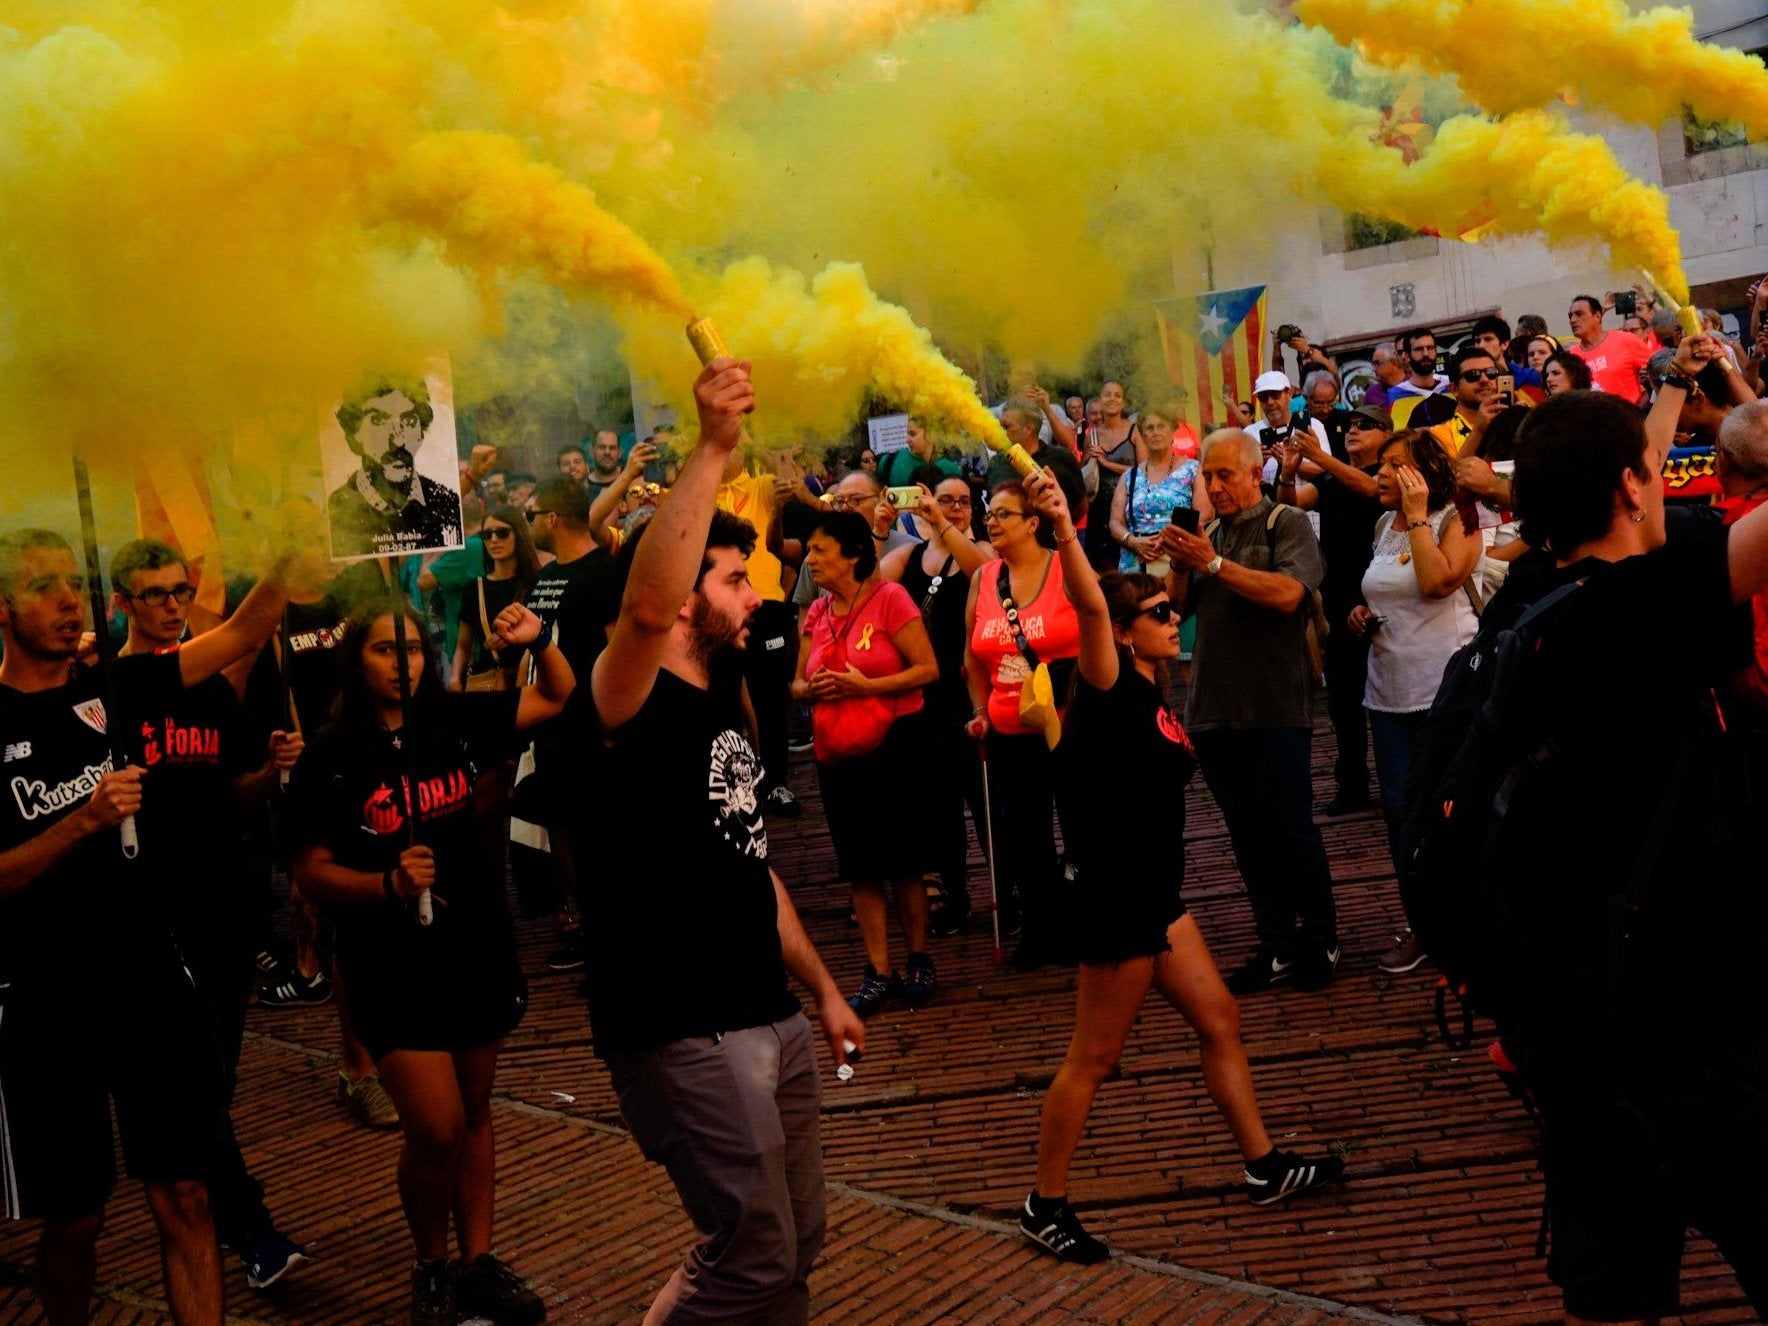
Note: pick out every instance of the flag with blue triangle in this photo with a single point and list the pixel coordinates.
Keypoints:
(1213, 344)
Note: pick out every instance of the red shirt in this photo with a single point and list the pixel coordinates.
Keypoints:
(864, 637)
(1615, 363)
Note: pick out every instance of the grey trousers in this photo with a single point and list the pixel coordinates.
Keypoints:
(734, 1119)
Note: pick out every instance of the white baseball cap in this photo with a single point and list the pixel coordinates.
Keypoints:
(1272, 381)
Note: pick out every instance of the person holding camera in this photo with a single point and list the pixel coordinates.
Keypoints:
(1128, 918)
(1420, 605)
(935, 574)
(1150, 491)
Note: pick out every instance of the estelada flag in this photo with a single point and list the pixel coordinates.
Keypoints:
(1213, 344)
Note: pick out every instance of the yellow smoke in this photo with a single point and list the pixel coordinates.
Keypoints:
(1510, 55)
(1526, 172)
(213, 225)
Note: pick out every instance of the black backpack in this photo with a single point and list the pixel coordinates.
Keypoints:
(1493, 874)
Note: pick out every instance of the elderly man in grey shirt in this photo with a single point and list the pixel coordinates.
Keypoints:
(1248, 578)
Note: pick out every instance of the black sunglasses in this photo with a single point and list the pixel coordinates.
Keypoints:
(1162, 612)
(1475, 374)
(536, 514)
(499, 532)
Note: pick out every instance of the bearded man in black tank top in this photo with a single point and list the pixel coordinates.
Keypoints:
(709, 1053)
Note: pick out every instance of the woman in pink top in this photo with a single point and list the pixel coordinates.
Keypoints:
(1019, 615)
(863, 657)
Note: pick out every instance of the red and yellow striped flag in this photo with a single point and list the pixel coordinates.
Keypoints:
(1214, 347)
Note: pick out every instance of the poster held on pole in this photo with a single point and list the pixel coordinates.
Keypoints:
(126, 831)
(408, 747)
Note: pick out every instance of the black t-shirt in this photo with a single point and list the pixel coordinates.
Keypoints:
(1128, 728)
(680, 916)
(1626, 675)
(348, 796)
(576, 599)
(193, 743)
(499, 594)
(942, 608)
(95, 906)
(1347, 541)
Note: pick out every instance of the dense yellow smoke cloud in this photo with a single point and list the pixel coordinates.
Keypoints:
(1023, 175)
(1511, 55)
(212, 224)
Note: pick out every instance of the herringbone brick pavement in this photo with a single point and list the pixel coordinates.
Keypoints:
(931, 1148)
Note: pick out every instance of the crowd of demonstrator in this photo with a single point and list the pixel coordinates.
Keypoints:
(994, 644)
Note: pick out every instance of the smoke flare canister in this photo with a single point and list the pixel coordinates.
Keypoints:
(707, 343)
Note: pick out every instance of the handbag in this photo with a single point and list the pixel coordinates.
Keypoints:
(855, 725)
(492, 678)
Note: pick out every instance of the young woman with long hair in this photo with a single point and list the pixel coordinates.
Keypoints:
(1124, 909)
(384, 800)
(514, 564)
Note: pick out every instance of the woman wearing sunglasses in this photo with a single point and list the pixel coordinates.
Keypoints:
(1129, 923)
(481, 663)
(936, 575)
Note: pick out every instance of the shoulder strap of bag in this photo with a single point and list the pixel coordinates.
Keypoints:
(485, 618)
(1019, 641)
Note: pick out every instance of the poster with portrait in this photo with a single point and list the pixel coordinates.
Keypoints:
(392, 477)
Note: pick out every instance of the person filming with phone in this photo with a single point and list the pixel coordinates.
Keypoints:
(1250, 578)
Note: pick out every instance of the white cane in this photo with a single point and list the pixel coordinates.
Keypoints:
(994, 899)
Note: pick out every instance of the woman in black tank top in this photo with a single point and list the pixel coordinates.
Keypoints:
(1123, 909)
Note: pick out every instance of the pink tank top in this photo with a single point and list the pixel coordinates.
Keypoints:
(1051, 629)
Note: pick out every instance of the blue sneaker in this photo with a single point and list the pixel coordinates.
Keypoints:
(270, 1258)
(873, 991)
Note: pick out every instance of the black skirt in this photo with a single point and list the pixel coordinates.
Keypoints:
(862, 799)
(1118, 913)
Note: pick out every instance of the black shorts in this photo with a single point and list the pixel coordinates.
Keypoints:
(479, 999)
(1117, 913)
(65, 1057)
(1624, 1184)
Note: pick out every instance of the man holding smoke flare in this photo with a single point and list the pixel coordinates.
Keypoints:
(710, 1056)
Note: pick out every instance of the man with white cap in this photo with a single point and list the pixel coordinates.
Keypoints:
(1273, 393)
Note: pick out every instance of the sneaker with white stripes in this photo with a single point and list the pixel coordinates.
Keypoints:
(1059, 1232)
(1283, 1174)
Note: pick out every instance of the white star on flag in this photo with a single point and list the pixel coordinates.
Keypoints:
(1212, 323)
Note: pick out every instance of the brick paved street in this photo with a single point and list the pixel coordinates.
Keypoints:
(930, 1149)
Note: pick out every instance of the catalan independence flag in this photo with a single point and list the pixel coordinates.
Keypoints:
(1213, 343)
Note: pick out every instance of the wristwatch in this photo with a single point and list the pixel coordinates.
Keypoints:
(1673, 379)
(1213, 567)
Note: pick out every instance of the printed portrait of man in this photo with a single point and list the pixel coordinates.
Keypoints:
(386, 507)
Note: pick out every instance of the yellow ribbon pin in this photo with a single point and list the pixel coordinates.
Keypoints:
(865, 637)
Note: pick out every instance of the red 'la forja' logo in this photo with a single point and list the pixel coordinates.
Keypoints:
(381, 811)
(150, 746)
(1170, 729)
